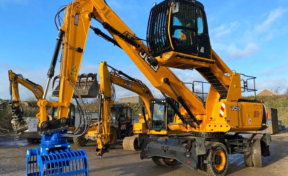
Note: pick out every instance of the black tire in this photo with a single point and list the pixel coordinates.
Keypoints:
(113, 138)
(256, 156)
(248, 159)
(80, 141)
(167, 162)
(156, 160)
(218, 159)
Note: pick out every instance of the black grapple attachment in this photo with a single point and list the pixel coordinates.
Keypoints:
(87, 86)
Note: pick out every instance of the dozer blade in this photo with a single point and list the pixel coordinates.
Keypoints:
(87, 86)
(54, 157)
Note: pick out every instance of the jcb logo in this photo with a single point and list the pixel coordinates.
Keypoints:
(36, 90)
(146, 57)
(127, 84)
(235, 108)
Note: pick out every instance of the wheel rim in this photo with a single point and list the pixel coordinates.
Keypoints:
(170, 161)
(219, 160)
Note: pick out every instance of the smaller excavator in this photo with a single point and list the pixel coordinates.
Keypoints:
(121, 116)
(18, 123)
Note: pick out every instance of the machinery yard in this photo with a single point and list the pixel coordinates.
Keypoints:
(199, 109)
(120, 162)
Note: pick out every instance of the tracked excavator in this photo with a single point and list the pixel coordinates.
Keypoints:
(121, 116)
(200, 135)
(18, 123)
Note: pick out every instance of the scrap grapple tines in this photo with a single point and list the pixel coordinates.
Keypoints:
(56, 159)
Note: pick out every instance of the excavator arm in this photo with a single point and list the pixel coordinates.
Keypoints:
(134, 85)
(106, 80)
(73, 35)
(15, 79)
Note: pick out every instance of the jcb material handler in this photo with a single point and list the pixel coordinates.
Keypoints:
(199, 135)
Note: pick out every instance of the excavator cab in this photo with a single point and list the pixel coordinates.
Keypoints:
(71, 115)
(162, 114)
(180, 26)
(122, 119)
(86, 85)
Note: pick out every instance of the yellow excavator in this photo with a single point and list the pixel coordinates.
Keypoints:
(200, 135)
(18, 122)
(121, 116)
(124, 126)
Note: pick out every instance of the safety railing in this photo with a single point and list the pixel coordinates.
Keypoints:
(200, 88)
(248, 84)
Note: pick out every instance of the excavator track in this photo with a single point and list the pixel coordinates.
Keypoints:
(131, 143)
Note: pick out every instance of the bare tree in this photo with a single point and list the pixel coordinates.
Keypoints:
(31, 99)
(286, 91)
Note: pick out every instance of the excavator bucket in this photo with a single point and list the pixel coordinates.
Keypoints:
(57, 160)
(86, 85)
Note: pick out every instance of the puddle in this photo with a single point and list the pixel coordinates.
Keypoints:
(236, 159)
(13, 142)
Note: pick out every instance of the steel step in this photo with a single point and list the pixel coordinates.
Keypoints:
(214, 81)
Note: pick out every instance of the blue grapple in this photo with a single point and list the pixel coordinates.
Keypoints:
(54, 157)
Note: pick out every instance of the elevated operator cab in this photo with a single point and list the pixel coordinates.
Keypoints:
(180, 26)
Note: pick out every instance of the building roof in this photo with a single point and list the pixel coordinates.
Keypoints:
(266, 92)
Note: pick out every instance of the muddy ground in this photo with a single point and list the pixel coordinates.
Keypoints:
(120, 162)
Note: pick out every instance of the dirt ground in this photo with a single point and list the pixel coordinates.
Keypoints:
(120, 162)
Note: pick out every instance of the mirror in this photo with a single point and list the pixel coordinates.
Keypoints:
(175, 7)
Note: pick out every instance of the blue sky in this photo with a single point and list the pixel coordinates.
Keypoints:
(250, 36)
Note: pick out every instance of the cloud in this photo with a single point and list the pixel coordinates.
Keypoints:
(272, 17)
(4, 3)
(223, 30)
(269, 37)
(233, 52)
(278, 70)
(271, 84)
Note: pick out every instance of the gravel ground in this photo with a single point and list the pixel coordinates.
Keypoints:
(120, 162)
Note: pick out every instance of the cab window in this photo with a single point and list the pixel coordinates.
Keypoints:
(123, 115)
(200, 25)
(184, 27)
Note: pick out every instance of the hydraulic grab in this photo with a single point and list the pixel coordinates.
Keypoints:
(177, 37)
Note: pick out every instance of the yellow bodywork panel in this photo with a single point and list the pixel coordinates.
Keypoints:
(139, 128)
(244, 116)
(76, 27)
